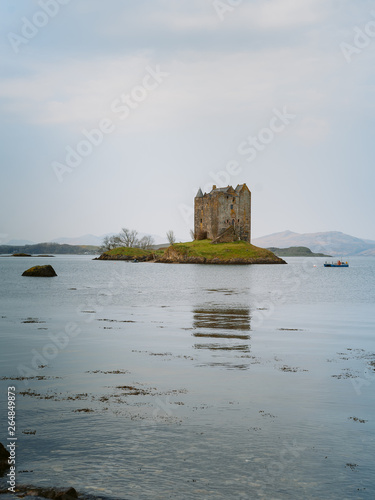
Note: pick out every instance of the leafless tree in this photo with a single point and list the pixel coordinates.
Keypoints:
(110, 242)
(192, 234)
(146, 242)
(128, 238)
(171, 237)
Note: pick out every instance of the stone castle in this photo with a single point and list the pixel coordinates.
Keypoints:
(223, 215)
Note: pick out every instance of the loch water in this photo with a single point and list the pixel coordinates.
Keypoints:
(154, 381)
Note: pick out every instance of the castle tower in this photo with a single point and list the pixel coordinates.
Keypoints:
(223, 210)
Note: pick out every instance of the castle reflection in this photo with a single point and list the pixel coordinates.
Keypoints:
(223, 327)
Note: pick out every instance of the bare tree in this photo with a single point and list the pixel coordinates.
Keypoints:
(171, 237)
(128, 238)
(192, 234)
(146, 242)
(110, 242)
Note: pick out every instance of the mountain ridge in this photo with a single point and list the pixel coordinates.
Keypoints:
(334, 243)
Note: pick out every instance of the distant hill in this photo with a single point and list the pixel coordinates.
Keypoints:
(49, 248)
(333, 243)
(19, 242)
(91, 239)
(86, 239)
(296, 252)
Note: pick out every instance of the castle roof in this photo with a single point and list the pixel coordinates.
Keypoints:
(240, 187)
(199, 194)
(227, 189)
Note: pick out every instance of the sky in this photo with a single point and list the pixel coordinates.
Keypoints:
(113, 113)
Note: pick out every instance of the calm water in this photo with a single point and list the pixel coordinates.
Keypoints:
(151, 381)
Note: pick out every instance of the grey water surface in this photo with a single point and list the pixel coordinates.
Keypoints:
(155, 381)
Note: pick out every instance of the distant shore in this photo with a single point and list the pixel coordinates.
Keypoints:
(296, 252)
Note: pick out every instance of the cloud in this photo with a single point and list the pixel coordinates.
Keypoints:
(313, 129)
(204, 89)
(285, 14)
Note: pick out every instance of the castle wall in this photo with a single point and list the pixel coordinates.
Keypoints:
(245, 216)
(215, 212)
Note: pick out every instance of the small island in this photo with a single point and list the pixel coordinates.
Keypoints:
(222, 234)
(296, 252)
(130, 253)
(197, 252)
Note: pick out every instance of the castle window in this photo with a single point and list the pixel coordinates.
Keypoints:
(233, 200)
(232, 222)
(238, 220)
(201, 221)
(231, 207)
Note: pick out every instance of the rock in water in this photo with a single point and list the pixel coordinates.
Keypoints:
(40, 271)
(67, 495)
(4, 455)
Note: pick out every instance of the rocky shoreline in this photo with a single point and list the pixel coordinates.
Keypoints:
(52, 493)
(146, 258)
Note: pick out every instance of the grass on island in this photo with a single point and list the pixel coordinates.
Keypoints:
(225, 251)
(237, 250)
(132, 252)
(129, 251)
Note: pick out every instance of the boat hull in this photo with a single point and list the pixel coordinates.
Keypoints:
(336, 265)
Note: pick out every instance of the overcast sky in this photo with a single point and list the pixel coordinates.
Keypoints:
(114, 112)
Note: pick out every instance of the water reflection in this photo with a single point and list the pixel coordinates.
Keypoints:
(222, 318)
(226, 326)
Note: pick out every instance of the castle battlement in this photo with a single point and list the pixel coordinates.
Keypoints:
(223, 210)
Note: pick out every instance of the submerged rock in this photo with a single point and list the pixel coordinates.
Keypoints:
(67, 495)
(4, 455)
(21, 255)
(52, 493)
(40, 271)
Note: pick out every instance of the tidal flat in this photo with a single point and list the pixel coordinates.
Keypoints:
(189, 382)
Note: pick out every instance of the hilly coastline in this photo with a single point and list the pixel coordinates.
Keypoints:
(296, 252)
(49, 248)
(333, 243)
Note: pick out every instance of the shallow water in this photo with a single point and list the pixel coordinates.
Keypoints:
(192, 382)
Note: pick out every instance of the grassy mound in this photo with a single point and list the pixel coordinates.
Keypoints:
(204, 252)
(198, 252)
(129, 253)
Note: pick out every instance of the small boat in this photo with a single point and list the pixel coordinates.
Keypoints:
(339, 263)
